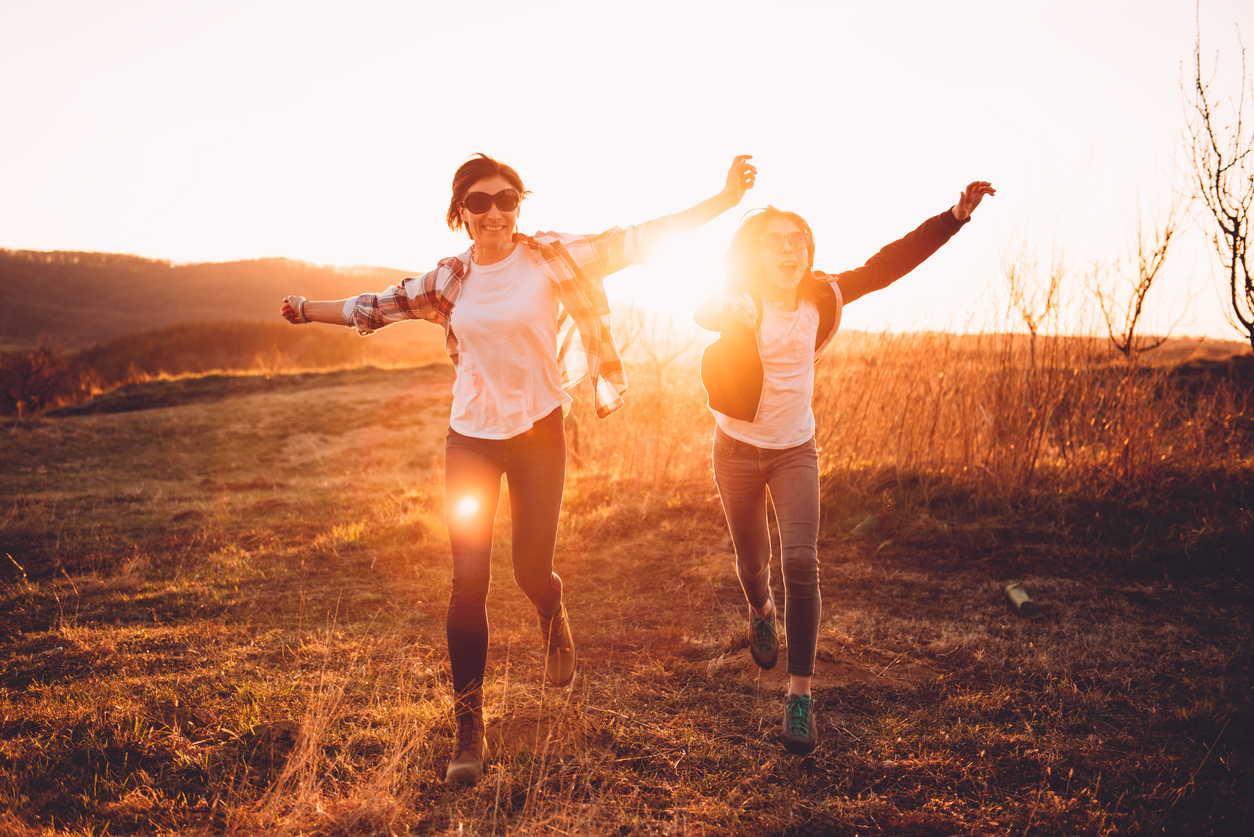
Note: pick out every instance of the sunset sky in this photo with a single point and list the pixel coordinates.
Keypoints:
(329, 132)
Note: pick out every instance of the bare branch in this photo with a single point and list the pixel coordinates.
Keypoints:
(1122, 297)
(1222, 158)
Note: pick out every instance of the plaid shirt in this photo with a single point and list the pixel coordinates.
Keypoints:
(575, 264)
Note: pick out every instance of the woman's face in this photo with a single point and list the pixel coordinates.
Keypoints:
(494, 227)
(784, 264)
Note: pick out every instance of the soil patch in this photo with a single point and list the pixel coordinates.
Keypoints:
(836, 663)
(555, 730)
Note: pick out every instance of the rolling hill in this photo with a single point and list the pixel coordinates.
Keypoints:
(84, 299)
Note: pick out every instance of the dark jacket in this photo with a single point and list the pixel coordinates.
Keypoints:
(731, 367)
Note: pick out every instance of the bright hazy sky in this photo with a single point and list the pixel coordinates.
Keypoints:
(329, 131)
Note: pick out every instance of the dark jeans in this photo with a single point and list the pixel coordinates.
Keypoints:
(534, 463)
(743, 473)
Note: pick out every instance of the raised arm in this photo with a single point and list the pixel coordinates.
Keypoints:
(597, 256)
(911, 250)
(740, 178)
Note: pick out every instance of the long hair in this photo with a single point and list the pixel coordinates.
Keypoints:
(471, 172)
(742, 262)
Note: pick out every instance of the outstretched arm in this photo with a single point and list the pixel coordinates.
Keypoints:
(904, 255)
(298, 310)
(740, 178)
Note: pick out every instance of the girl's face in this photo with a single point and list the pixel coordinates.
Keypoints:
(783, 253)
(492, 228)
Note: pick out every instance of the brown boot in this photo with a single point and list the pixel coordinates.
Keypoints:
(559, 648)
(470, 749)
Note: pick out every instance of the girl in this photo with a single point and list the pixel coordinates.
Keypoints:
(777, 315)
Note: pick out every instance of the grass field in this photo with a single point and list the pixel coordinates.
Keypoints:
(222, 612)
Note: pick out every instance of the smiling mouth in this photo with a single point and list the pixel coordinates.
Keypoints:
(787, 267)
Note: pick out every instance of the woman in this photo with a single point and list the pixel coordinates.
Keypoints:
(777, 315)
(525, 320)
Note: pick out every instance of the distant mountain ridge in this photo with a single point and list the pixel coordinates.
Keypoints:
(83, 299)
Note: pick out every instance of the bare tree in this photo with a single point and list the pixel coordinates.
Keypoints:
(1222, 157)
(629, 323)
(663, 343)
(1122, 300)
(1033, 298)
(31, 381)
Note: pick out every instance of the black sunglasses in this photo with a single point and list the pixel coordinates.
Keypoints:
(506, 200)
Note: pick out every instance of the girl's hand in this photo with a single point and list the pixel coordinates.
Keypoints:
(971, 197)
(740, 178)
(739, 310)
(293, 310)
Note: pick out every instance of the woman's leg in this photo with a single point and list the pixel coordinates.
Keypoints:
(793, 479)
(535, 467)
(536, 471)
(472, 491)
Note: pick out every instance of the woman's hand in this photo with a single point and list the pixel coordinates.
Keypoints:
(740, 178)
(293, 310)
(971, 197)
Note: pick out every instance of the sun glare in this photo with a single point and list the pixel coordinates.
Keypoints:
(467, 506)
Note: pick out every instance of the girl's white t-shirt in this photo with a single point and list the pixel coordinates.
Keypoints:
(786, 345)
(505, 320)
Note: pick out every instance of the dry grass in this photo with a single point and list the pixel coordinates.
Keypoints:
(1000, 414)
(223, 612)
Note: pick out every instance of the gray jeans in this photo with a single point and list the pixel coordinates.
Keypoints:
(743, 473)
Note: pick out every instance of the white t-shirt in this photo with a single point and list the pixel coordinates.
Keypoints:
(505, 320)
(786, 345)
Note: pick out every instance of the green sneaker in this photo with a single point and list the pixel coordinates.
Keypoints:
(800, 733)
(763, 638)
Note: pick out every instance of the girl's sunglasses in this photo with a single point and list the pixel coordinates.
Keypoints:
(775, 241)
(479, 202)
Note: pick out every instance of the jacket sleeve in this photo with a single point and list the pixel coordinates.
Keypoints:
(899, 258)
(706, 315)
(596, 256)
(428, 297)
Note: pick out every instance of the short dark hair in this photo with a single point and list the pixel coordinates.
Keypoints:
(742, 263)
(471, 172)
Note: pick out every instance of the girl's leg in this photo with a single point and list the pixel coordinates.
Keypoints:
(472, 491)
(794, 485)
(742, 491)
(798, 685)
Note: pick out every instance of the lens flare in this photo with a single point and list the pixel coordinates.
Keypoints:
(467, 506)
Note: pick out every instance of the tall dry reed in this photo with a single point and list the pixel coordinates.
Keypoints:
(989, 412)
(995, 412)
